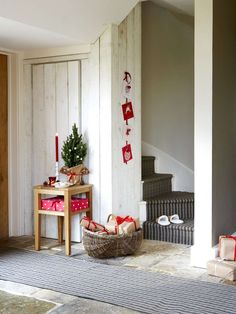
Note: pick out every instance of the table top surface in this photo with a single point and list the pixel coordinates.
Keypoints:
(76, 187)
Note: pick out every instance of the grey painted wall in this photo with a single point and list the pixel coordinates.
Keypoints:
(224, 118)
(167, 82)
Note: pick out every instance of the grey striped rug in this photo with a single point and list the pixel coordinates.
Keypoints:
(142, 291)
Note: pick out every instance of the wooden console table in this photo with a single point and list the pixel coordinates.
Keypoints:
(65, 216)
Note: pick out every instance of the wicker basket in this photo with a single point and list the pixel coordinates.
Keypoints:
(105, 246)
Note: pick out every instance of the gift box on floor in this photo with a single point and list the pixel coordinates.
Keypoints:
(227, 248)
(57, 203)
(222, 269)
(122, 225)
(130, 225)
(112, 227)
(91, 225)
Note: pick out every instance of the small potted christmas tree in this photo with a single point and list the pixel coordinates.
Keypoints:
(74, 151)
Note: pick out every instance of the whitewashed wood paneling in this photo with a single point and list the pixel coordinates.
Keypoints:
(105, 124)
(53, 107)
(39, 124)
(137, 49)
(62, 110)
(91, 121)
(74, 116)
(127, 178)
(116, 185)
(51, 123)
(26, 167)
(84, 98)
(84, 105)
(74, 93)
(39, 130)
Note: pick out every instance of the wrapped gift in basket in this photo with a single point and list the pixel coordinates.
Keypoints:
(100, 242)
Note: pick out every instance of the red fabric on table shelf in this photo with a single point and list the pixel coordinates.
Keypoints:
(57, 204)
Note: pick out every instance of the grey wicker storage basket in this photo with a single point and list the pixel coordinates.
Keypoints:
(105, 246)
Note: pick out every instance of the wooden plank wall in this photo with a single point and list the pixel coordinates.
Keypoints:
(3, 148)
(90, 78)
(27, 145)
(52, 104)
(97, 122)
(116, 185)
(127, 178)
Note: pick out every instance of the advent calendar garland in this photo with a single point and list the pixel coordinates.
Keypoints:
(127, 110)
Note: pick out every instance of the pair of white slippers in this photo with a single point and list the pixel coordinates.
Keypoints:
(165, 220)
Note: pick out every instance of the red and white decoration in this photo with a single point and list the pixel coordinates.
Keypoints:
(127, 132)
(127, 85)
(127, 153)
(127, 109)
(91, 225)
(115, 225)
(122, 225)
(57, 204)
(128, 113)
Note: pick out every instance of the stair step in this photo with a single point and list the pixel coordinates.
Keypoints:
(182, 234)
(181, 203)
(156, 184)
(148, 165)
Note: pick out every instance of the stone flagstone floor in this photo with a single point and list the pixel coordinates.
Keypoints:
(154, 256)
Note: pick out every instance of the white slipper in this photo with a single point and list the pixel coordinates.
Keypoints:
(174, 219)
(163, 220)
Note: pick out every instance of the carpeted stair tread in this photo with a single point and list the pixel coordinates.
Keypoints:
(148, 165)
(186, 225)
(182, 233)
(157, 177)
(161, 200)
(156, 184)
(144, 158)
(174, 195)
(181, 203)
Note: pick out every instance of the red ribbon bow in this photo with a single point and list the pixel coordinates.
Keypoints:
(71, 175)
(120, 220)
(89, 222)
(95, 224)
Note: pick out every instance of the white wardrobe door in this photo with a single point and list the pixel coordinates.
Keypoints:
(56, 106)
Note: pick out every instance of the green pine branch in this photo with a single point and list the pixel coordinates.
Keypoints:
(74, 150)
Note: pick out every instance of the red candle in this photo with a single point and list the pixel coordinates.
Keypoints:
(56, 141)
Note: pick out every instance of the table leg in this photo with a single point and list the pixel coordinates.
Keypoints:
(90, 198)
(37, 220)
(60, 221)
(67, 217)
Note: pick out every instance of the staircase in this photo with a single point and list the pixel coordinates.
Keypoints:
(161, 200)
